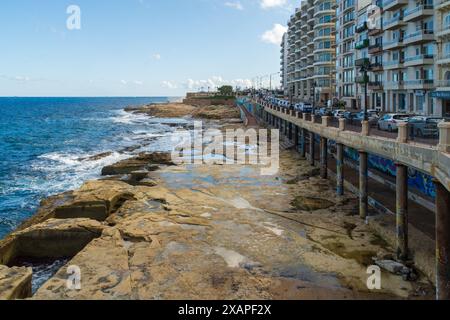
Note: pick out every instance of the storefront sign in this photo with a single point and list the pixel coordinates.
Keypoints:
(441, 95)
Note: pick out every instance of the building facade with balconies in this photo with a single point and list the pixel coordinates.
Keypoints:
(345, 52)
(442, 74)
(284, 63)
(408, 54)
(362, 49)
(311, 52)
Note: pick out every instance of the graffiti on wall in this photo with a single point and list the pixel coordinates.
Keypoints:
(416, 179)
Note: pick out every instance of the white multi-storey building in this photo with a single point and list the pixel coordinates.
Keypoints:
(311, 52)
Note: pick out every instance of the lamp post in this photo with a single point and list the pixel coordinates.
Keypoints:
(314, 99)
(364, 69)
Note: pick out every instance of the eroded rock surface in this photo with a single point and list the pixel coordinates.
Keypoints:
(226, 232)
(15, 283)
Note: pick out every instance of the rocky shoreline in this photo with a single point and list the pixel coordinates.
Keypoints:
(150, 229)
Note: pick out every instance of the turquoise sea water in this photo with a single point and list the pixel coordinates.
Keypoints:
(45, 145)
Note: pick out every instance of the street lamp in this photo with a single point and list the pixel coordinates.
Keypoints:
(314, 99)
(364, 69)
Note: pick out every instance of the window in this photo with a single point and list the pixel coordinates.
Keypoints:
(446, 21)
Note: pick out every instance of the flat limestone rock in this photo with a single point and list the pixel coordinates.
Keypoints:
(15, 283)
(141, 162)
(53, 238)
(95, 200)
(104, 273)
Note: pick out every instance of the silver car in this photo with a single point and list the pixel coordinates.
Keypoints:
(424, 126)
(389, 122)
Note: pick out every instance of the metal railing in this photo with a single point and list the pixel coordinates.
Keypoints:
(419, 57)
(418, 8)
(418, 34)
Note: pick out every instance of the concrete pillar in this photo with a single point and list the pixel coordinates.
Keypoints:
(363, 185)
(303, 144)
(296, 131)
(341, 124)
(365, 128)
(312, 143)
(325, 121)
(442, 242)
(402, 132)
(323, 158)
(340, 169)
(444, 137)
(402, 212)
(290, 131)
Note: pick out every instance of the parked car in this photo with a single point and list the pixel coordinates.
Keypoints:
(305, 107)
(389, 122)
(422, 126)
(338, 113)
(372, 116)
(324, 112)
(350, 115)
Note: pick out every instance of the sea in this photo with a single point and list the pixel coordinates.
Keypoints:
(49, 146)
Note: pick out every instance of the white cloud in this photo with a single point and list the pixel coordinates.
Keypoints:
(124, 82)
(169, 85)
(268, 4)
(215, 82)
(137, 82)
(157, 56)
(22, 78)
(235, 5)
(211, 83)
(275, 35)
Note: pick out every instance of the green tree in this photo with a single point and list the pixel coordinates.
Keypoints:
(226, 90)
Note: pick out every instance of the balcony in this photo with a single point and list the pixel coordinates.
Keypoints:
(394, 85)
(442, 4)
(361, 27)
(376, 66)
(419, 60)
(362, 44)
(393, 4)
(393, 64)
(393, 44)
(324, 62)
(362, 79)
(444, 59)
(375, 85)
(375, 32)
(444, 32)
(362, 62)
(419, 37)
(375, 48)
(419, 12)
(324, 10)
(442, 84)
(419, 84)
(394, 23)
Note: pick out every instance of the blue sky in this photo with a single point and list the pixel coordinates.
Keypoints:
(137, 47)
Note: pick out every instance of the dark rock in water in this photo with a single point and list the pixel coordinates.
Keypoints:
(310, 203)
(97, 156)
(144, 161)
(129, 149)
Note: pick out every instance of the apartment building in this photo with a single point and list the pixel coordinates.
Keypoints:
(409, 49)
(311, 52)
(284, 64)
(362, 60)
(442, 74)
(345, 52)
